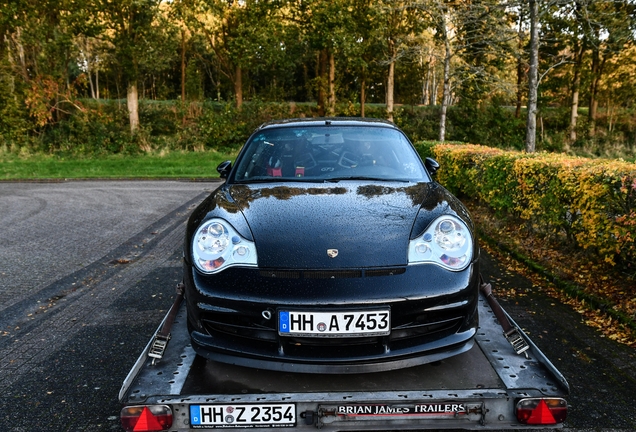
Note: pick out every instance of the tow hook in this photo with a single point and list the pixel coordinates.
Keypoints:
(308, 416)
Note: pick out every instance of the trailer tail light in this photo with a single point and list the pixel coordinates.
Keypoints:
(142, 418)
(542, 411)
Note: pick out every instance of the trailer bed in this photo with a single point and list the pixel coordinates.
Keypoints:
(478, 389)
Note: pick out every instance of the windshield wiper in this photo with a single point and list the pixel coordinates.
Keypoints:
(268, 179)
(258, 180)
(279, 180)
(337, 179)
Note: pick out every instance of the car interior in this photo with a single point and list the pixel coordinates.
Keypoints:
(325, 155)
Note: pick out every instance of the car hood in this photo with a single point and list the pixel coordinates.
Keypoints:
(295, 226)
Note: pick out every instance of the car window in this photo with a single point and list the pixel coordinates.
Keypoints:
(328, 153)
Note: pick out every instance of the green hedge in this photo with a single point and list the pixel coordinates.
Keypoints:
(587, 203)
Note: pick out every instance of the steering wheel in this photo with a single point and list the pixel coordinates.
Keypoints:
(307, 161)
(348, 160)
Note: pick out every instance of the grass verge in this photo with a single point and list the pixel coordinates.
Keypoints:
(144, 166)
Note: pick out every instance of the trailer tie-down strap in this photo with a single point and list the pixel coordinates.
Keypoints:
(160, 341)
(512, 333)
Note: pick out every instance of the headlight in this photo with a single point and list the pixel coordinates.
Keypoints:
(447, 242)
(216, 245)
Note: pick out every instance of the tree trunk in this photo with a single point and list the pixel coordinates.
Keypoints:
(132, 99)
(90, 80)
(389, 91)
(576, 86)
(574, 109)
(117, 82)
(426, 87)
(97, 82)
(446, 96)
(89, 71)
(597, 71)
(390, 82)
(87, 57)
(363, 96)
(21, 55)
(519, 67)
(238, 86)
(533, 82)
(519, 88)
(433, 92)
(306, 80)
(183, 66)
(332, 85)
(593, 111)
(322, 74)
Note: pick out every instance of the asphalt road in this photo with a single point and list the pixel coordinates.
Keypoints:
(88, 269)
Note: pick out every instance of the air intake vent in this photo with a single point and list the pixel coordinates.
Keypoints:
(331, 274)
(385, 272)
(282, 274)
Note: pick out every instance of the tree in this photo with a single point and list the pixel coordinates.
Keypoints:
(133, 29)
(443, 32)
(564, 35)
(579, 46)
(585, 34)
(243, 35)
(329, 30)
(618, 87)
(402, 20)
(39, 55)
(475, 38)
(533, 71)
(521, 64)
(440, 15)
(366, 41)
(533, 79)
(485, 43)
(610, 27)
(90, 52)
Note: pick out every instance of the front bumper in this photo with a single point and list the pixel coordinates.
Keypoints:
(433, 316)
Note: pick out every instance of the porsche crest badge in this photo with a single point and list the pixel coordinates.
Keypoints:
(332, 253)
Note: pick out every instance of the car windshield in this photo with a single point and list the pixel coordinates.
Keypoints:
(328, 153)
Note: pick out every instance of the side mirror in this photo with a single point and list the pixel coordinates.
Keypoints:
(224, 169)
(431, 165)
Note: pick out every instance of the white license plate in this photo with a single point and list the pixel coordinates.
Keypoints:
(242, 415)
(342, 324)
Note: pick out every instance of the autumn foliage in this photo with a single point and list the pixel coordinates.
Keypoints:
(585, 204)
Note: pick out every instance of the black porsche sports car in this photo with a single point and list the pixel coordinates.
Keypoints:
(330, 249)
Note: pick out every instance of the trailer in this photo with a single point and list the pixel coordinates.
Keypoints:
(494, 385)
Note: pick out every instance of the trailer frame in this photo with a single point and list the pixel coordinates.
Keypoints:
(477, 390)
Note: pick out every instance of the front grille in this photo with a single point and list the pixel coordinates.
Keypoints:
(331, 274)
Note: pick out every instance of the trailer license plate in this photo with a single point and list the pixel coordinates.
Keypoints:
(334, 324)
(242, 416)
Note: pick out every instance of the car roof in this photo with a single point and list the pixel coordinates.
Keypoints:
(326, 121)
